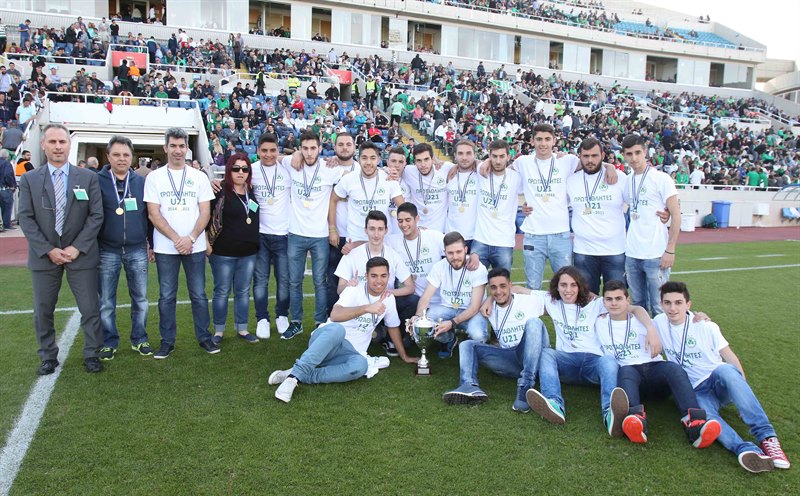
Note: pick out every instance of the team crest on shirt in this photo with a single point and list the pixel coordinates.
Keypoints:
(581, 316)
(467, 282)
(503, 186)
(632, 334)
(519, 315)
(603, 186)
(425, 250)
(190, 182)
(555, 170)
(644, 190)
(381, 190)
(440, 181)
(691, 342)
(280, 177)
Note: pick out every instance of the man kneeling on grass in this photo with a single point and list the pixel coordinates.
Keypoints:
(718, 379)
(337, 350)
(623, 337)
(520, 336)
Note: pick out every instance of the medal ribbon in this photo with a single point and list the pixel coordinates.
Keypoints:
(462, 193)
(627, 334)
(496, 197)
(306, 188)
(685, 335)
(545, 185)
(178, 194)
(460, 280)
(414, 261)
(635, 192)
(270, 188)
(594, 189)
(564, 314)
(125, 190)
(364, 188)
(498, 329)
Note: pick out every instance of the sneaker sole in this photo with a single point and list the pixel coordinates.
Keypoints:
(619, 409)
(140, 352)
(708, 434)
(106, 359)
(249, 341)
(273, 381)
(520, 410)
(755, 463)
(540, 405)
(781, 464)
(463, 399)
(160, 357)
(212, 352)
(634, 429)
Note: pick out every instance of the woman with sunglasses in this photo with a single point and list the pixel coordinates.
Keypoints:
(232, 246)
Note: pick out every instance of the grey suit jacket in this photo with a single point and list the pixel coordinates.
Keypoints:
(82, 221)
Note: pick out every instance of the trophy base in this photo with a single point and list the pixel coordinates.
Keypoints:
(423, 372)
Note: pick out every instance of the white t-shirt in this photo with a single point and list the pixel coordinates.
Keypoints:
(599, 224)
(550, 216)
(362, 196)
(630, 351)
(308, 215)
(574, 326)
(697, 176)
(430, 246)
(359, 330)
(180, 217)
(357, 260)
(498, 229)
(393, 227)
(272, 185)
(700, 356)
(458, 220)
(428, 193)
(453, 294)
(509, 324)
(647, 235)
(341, 206)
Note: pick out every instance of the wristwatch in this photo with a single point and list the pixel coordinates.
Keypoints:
(194, 240)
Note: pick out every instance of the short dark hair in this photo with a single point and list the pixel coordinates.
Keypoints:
(615, 285)
(584, 294)
(675, 287)
(498, 144)
(453, 237)
(368, 145)
(309, 136)
(499, 272)
(119, 140)
(632, 140)
(344, 134)
(422, 148)
(398, 150)
(177, 133)
(377, 262)
(267, 138)
(376, 215)
(465, 142)
(543, 128)
(589, 143)
(409, 208)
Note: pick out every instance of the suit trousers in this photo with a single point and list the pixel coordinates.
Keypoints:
(83, 284)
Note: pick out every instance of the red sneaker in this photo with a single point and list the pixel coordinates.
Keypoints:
(772, 448)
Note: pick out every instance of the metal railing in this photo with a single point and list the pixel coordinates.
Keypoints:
(124, 100)
(53, 59)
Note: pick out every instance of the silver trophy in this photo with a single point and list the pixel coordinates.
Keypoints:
(422, 331)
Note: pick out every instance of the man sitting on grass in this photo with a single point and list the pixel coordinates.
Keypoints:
(623, 337)
(718, 379)
(337, 350)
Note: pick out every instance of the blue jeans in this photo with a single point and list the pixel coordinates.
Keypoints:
(6, 205)
(476, 327)
(538, 248)
(611, 267)
(576, 368)
(329, 358)
(520, 363)
(496, 256)
(657, 380)
(644, 280)
(334, 257)
(135, 263)
(271, 252)
(236, 273)
(298, 246)
(194, 268)
(726, 385)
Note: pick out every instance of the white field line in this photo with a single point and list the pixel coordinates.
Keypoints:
(712, 258)
(20, 437)
(770, 255)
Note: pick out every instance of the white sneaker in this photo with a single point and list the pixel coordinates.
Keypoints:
(278, 377)
(262, 329)
(282, 323)
(285, 390)
(379, 362)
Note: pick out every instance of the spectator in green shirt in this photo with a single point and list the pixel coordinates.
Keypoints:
(682, 177)
(752, 177)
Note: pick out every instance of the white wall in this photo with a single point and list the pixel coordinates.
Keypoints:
(301, 21)
(398, 33)
(576, 57)
(734, 73)
(534, 51)
(637, 65)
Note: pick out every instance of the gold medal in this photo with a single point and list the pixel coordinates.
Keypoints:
(587, 211)
(119, 211)
(425, 210)
(307, 204)
(545, 198)
(494, 213)
(394, 213)
(461, 209)
(634, 215)
(270, 201)
(249, 220)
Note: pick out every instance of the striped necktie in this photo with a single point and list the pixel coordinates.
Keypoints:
(61, 199)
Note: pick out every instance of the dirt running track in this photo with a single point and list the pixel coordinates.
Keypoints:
(14, 247)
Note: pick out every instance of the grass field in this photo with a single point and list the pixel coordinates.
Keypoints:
(200, 424)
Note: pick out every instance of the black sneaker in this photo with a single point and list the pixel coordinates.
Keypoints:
(144, 349)
(294, 329)
(391, 351)
(106, 353)
(209, 346)
(163, 351)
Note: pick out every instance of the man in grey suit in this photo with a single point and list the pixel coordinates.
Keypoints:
(60, 212)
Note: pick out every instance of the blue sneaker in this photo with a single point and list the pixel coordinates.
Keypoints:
(216, 339)
(446, 350)
(294, 329)
(465, 394)
(248, 338)
(548, 409)
(521, 403)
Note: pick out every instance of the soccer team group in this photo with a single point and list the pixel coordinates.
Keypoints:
(380, 260)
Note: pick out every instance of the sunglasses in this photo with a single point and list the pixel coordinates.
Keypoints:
(240, 168)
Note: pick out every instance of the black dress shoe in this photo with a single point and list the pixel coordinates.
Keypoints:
(93, 365)
(47, 367)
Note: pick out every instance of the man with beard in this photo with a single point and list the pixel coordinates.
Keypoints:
(428, 187)
(462, 192)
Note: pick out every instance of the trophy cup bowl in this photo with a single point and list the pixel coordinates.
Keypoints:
(422, 331)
